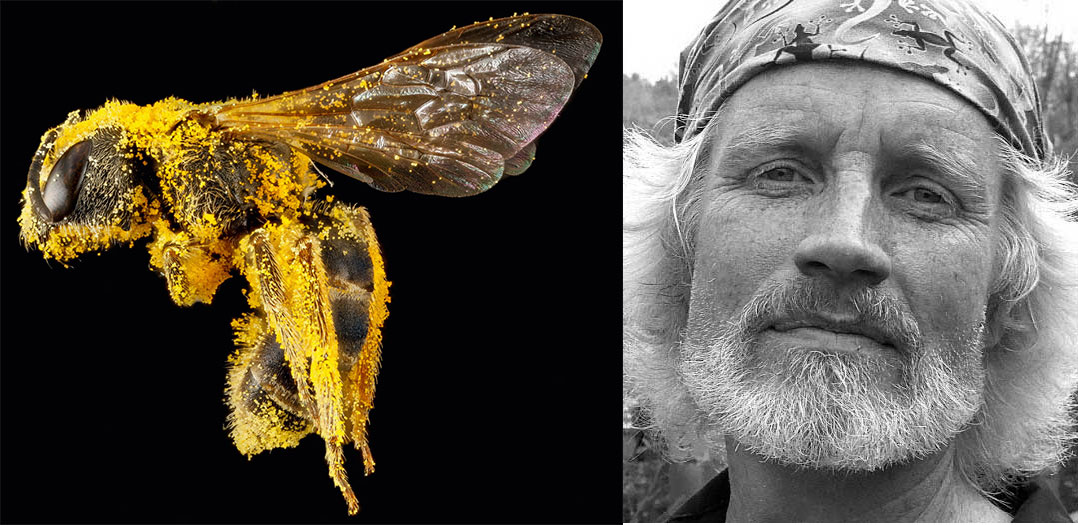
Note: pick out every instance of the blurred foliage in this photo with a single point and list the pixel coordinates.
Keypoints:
(645, 497)
(649, 106)
(647, 493)
(1054, 62)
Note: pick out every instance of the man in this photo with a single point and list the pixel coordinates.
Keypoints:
(856, 271)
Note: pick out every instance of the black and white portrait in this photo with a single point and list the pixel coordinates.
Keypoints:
(850, 263)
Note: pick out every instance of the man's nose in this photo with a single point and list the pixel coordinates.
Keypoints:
(840, 244)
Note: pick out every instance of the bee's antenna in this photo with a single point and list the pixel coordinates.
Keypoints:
(315, 166)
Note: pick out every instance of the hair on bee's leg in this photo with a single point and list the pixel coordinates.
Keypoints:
(335, 460)
(192, 271)
(269, 293)
(375, 292)
(314, 318)
(286, 272)
(359, 293)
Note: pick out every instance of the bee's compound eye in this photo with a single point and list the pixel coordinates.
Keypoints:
(61, 190)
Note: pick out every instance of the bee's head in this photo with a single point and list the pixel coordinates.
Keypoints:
(85, 190)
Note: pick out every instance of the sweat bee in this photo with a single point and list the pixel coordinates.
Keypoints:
(230, 186)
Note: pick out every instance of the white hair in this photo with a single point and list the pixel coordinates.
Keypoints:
(1024, 425)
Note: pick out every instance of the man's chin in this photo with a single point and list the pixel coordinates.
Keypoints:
(831, 458)
(831, 410)
(829, 368)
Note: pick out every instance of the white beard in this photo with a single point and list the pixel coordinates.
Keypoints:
(831, 409)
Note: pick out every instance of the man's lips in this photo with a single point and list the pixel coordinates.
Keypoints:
(825, 329)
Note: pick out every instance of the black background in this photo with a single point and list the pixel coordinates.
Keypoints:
(498, 399)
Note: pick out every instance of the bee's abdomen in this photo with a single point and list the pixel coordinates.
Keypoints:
(266, 411)
(268, 379)
(348, 270)
(351, 320)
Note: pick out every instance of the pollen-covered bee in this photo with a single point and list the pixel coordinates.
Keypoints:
(233, 186)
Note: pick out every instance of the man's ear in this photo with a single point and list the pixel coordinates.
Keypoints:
(1006, 321)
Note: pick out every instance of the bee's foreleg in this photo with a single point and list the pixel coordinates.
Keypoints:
(172, 257)
(193, 271)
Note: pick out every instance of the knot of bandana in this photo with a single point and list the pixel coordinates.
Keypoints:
(951, 42)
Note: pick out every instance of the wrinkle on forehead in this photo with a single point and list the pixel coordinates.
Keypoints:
(861, 83)
(831, 107)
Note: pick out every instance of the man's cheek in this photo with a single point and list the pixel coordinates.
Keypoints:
(736, 254)
(947, 288)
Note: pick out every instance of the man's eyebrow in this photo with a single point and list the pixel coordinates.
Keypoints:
(955, 165)
(748, 143)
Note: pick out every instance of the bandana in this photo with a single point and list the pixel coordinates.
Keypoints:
(951, 42)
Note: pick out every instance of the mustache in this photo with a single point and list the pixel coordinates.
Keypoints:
(807, 298)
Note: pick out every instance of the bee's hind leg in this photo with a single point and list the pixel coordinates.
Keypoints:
(285, 269)
(321, 283)
(358, 294)
(313, 312)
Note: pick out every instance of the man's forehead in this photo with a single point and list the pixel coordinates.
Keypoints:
(979, 63)
(819, 103)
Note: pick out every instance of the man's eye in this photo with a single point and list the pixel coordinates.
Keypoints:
(928, 200)
(924, 195)
(782, 174)
(778, 175)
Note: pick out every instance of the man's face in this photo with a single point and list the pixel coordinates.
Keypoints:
(843, 260)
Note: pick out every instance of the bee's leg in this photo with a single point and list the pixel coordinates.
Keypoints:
(192, 271)
(175, 277)
(359, 292)
(286, 270)
(314, 315)
(264, 273)
(265, 407)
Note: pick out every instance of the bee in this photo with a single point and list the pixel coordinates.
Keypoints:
(233, 186)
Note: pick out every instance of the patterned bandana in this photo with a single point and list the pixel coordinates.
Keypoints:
(951, 42)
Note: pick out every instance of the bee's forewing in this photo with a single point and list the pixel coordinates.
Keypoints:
(573, 40)
(441, 118)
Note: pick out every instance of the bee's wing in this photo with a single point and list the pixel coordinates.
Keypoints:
(444, 117)
(573, 40)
